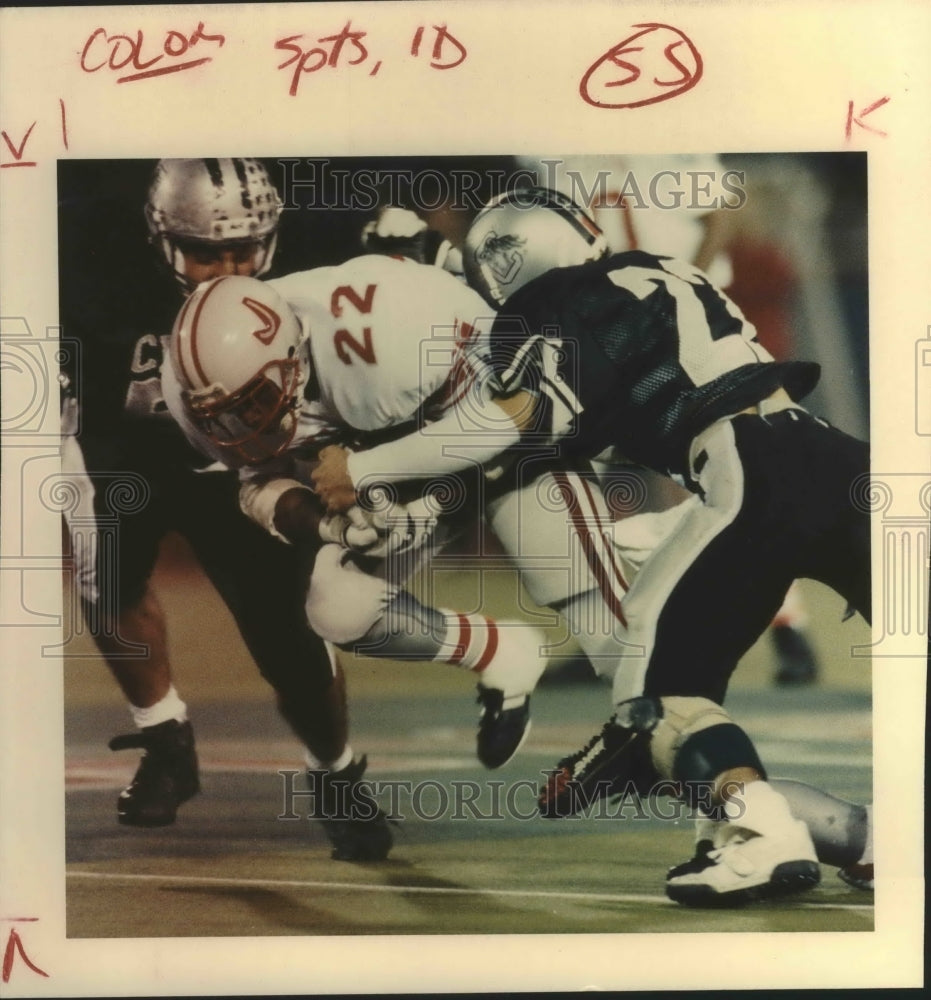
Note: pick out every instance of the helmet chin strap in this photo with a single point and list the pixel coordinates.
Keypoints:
(176, 262)
(269, 248)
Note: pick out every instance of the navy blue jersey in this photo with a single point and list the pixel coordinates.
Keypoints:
(635, 351)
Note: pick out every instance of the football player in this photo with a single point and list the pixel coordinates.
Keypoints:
(666, 223)
(271, 373)
(205, 217)
(644, 354)
(263, 374)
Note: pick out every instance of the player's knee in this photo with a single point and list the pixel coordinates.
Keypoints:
(342, 603)
(695, 742)
(341, 618)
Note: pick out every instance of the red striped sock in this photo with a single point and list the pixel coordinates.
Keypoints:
(471, 641)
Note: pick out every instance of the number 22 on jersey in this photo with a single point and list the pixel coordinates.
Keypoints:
(347, 345)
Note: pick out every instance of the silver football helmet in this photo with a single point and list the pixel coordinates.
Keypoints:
(522, 234)
(211, 202)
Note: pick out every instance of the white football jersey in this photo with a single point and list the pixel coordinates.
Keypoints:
(386, 338)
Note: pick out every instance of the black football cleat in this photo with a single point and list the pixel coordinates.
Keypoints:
(614, 761)
(166, 777)
(795, 656)
(699, 861)
(603, 767)
(858, 876)
(501, 731)
(355, 826)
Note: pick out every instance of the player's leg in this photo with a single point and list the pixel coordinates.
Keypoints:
(841, 831)
(138, 622)
(638, 533)
(262, 581)
(114, 530)
(371, 616)
(551, 520)
(739, 563)
(840, 554)
(728, 555)
(798, 477)
(699, 602)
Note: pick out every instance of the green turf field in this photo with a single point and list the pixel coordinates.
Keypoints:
(470, 857)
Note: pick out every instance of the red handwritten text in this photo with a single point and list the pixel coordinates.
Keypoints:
(119, 52)
(857, 119)
(13, 150)
(656, 63)
(15, 945)
(348, 47)
(443, 41)
(327, 53)
(19, 150)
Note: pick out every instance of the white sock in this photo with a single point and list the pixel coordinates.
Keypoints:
(756, 807)
(344, 760)
(169, 707)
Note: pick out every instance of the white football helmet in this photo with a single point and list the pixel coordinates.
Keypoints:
(212, 201)
(522, 234)
(241, 360)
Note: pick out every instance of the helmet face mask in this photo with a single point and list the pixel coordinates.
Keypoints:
(238, 353)
(522, 234)
(255, 422)
(209, 205)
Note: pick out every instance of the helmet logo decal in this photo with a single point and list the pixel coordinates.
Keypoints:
(271, 321)
(502, 254)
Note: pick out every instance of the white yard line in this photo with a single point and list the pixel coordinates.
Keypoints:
(580, 897)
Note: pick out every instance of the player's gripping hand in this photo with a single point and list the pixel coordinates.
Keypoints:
(353, 530)
(408, 527)
(331, 479)
(403, 528)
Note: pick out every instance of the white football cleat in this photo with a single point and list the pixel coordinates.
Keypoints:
(749, 867)
(761, 853)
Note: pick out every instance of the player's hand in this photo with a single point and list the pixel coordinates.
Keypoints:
(353, 530)
(331, 480)
(402, 233)
(410, 527)
(403, 528)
